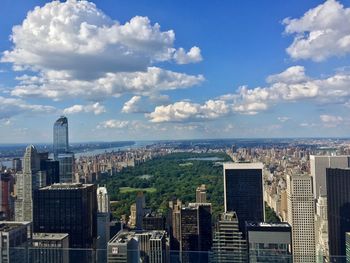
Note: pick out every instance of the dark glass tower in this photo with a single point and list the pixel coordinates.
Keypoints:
(338, 209)
(67, 208)
(60, 136)
(243, 191)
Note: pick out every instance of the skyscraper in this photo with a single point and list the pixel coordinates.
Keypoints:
(228, 242)
(243, 191)
(61, 150)
(103, 223)
(60, 136)
(67, 208)
(338, 209)
(196, 232)
(26, 183)
(301, 210)
(201, 194)
(318, 165)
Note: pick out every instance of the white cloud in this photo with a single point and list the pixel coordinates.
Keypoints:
(294, 74)
(320, 33)
(76, 50)
(113, 124)
(192, 56)
(331, 120)
(188, 111)
(10, 107)
(131, 106)
(283, 118)
(95, 108)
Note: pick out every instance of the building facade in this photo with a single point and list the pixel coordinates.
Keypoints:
(60, 136)
(301, 210)
(243, 191)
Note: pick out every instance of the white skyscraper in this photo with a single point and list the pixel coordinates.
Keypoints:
(26, 183)
(301, 210)
(103, 223)
(318, 165)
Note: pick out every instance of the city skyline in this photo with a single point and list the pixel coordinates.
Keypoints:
(126, 71)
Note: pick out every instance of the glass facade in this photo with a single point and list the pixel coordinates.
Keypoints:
(60, 136)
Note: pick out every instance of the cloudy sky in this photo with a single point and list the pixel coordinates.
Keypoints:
(146, 70)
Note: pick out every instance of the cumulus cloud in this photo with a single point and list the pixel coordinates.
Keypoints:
(95, 108)
(131, 106)
(10, 107)
(76, 50)
(113, 124)
(188, 111)
(192, 56)
(320, 33)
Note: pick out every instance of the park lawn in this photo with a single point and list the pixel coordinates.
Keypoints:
(124, 190)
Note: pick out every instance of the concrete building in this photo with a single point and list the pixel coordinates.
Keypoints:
(123, 248)
(269, 242)
(201, 194)
(175, 218)
(26, 183)
(301, 210)
(229, 246)
(103, 223)
(14, 241)
(50, 247)
(153, 221)
(318, 165)
(6, 200)
(321, 227)
(140, 206)
(243, 191)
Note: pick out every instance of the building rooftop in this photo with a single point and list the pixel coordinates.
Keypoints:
(238, 166)
(66, 186)
(156, 235)
(263, 224)
(7, 226)
(49, 236)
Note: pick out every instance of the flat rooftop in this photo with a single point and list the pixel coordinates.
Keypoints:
(263, 224)
(66, 186)
(239, 166)
(50, 236)
(7, 226)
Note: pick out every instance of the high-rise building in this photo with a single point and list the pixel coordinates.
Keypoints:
(123, 247)
(66, 167)
(347, 246)
(229, 245)
(158, 247)
(60, 136)
(6, 200)
(201, 194)
(103, 223)
(318, 165)
(321, 227)
(16, 164)
(196, 235)
(153, 221)
(140, 206)
(26, 183)
(338, 209)
(243, 191)
(175, 223)
(67, 208)
(269, 242)
(301, 210)
(50, 167)
(50, 247)
(14, 241)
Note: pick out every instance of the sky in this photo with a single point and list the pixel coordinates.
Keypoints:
(150, 70)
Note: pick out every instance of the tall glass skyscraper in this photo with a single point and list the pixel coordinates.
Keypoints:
(60, 136)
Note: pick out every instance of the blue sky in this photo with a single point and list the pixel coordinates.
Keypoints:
(143, 70)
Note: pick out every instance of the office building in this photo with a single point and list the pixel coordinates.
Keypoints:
(103, 223)
(153, 221)
(14, 241)
(301, 210)
(338, 209)
(16, 165)
(67, 208)
(51, 169)
(66, 167)
(243, 191)
(347, 246)
(123, 247)
(158, 245)
(140, 206)
(269, 242)
(175, 223)
(201, 194)
(6, 200)
(229, 245)
(195, 233)
(321, 227)
(50, 247)
(26, 183)
(318, 165)
(60, 136)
